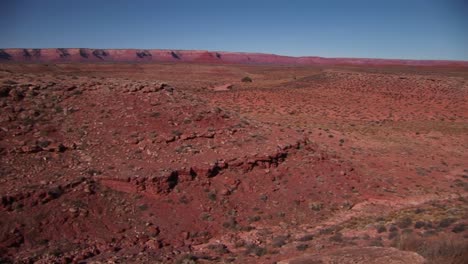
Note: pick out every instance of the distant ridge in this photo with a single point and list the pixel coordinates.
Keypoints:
(77, 55)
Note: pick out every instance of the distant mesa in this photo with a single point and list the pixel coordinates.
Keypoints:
(63, 53)
(100, 53)
(36, 53)
(143, 54)
(84, 53)
(4, 55)
(71, 55)
(175, 55)
(26, 54)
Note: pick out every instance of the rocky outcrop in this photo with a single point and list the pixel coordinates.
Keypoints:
(225, 87)
(167, 181)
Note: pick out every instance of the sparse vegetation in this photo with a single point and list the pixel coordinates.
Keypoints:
(459, 228)
(381, 229)
(143, 207)
(254, 218)
(255, 250)
(279, 241)
(187, 259)
(176, 133)
(306, 238)
(247, 79)
(212, 196)
(302, 247)
(218, 248)
(446, 222)
(438, 249)
(404, 222)
(337, 237)
(419, 224)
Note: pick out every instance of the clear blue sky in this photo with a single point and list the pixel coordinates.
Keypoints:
(414, 29)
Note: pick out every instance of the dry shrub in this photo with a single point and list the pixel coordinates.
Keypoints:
(247, 79)
(444, 248)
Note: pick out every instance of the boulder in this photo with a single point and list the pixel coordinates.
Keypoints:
(225, 87)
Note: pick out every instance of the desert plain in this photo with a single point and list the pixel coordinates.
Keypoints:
(176, 161)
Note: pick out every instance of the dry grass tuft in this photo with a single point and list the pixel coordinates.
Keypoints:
(445, 248)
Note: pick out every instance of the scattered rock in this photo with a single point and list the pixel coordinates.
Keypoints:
(225, 87)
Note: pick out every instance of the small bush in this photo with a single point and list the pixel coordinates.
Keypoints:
(419, 224)
(206, 217)
(381, 229)
(459, 228)
(302, 247)
(176, 133)
(239, 243)
(316, 206)
(338, 237)
(376, 243)
(404, 222)
(256, 250)
(218, 248)
(231, 223)
(254, 218)
(407, 231)
(247, 79)
(212, 196)
(279, 241)
(392, 235)
(187, 259)
(429, 233)
(184, 200)
(446, 222)
(326, 231)
(143, 207)
(247, 228)
(306, 238)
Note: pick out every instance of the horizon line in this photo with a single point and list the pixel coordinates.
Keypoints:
(248, 52)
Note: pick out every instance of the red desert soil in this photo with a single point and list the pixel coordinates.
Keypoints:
(150, 163)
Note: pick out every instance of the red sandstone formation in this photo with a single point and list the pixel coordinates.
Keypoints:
(196, 56)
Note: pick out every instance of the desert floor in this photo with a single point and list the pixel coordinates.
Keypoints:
(187, 163)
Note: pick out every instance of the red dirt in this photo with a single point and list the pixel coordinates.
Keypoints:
(145, 162)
